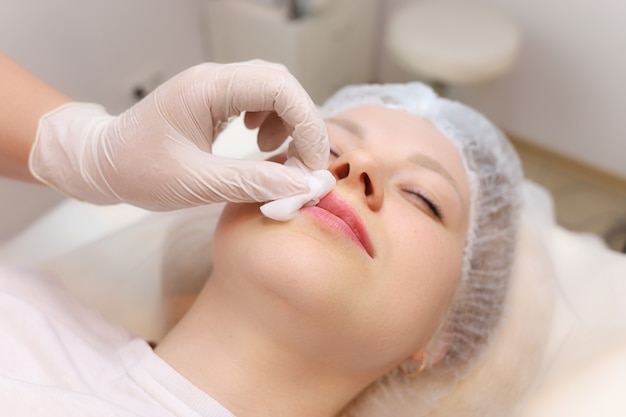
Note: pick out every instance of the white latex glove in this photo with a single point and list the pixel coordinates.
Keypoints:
(157, 155)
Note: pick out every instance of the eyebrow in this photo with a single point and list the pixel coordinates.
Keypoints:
(348, 125)
(420, 159)
(432, 164)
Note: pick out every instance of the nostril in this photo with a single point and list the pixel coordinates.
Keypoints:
(367, 183)
(343, 171)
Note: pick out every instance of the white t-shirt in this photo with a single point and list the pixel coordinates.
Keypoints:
(60, 358)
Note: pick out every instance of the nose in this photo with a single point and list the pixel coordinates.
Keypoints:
(359, 170)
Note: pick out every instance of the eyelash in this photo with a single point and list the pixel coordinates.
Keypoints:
(436, 210)
(334, 154)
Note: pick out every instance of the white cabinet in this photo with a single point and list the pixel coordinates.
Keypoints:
(326, 50)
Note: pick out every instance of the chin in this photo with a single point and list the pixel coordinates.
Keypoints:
(305, 267)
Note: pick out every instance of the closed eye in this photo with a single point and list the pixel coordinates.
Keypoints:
(334, 153)
(422, 198)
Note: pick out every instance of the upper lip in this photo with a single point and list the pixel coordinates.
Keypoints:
(335, 205)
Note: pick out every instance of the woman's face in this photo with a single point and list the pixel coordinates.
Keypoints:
(374, 266)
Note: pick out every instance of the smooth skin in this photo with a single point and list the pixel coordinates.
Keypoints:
(24, 98)
(296, 319)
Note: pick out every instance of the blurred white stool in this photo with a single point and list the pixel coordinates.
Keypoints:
(451, 43)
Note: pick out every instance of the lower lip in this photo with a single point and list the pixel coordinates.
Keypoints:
(334, 222)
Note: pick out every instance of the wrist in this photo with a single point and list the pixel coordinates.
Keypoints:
(65, 141)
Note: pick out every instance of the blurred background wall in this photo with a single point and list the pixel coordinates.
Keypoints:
(93, 51)
(566, 93)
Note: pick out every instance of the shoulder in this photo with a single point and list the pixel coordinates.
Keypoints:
(29, 294)
(47, 328)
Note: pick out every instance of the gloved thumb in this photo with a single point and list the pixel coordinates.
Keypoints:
(216, 179)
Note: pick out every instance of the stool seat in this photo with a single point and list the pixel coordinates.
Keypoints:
(452, 42)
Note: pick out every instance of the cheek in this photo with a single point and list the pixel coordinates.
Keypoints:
(421, 274)
(235, 236)
(234, 214)
(296, 261)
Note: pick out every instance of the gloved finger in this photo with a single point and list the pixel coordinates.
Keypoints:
(215, 179)
(264, 63)
(272, 130)
(272, 133)
(254, 119)
(255, 86)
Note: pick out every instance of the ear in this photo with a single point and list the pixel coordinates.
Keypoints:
(418, 356)
(435, 353)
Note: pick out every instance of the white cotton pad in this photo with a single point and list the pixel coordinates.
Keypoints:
(320, 184)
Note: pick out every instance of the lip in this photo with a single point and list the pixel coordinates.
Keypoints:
(341, 216)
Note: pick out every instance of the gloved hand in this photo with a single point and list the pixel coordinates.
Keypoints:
(157, 155)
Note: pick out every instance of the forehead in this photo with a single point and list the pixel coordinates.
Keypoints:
(397, 127)
(395, 132)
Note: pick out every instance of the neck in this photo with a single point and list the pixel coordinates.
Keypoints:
(254, 360)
